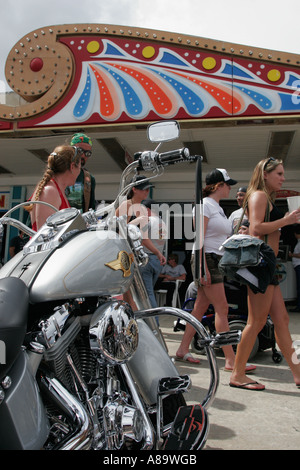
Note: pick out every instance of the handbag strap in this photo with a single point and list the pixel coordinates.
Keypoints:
(238, 225)
(266, 219)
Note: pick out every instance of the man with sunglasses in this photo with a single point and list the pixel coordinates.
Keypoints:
(82, 194)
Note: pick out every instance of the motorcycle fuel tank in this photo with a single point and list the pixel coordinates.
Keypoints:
(91, 263)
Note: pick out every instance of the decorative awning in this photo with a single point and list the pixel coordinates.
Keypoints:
(75, 75)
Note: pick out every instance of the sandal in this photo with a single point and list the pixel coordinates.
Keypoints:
(188, 358)
(249, 368)
(249, 386)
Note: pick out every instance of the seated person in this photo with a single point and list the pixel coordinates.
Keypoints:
(191, 294)
(169, 275)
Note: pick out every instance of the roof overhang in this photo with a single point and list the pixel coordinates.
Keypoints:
(111, 81)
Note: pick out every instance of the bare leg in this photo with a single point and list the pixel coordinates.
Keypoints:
(200, 307)
(280, 319)
(258, 310)
(215, 295)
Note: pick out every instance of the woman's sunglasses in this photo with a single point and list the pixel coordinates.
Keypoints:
(271, 159)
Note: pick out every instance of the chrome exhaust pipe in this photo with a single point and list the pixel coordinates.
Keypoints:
(82, 438)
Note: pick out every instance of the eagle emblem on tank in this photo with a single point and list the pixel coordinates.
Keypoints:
(123, 263)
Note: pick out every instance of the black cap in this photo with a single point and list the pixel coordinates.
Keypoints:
(219, 175)
(140, 185)
(242, 189)
(148, 203)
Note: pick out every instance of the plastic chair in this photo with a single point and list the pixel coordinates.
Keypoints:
(162, 293)
(176, 298)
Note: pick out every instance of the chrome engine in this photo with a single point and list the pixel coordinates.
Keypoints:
(88, 402)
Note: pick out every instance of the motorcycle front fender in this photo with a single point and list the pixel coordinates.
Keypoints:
(149, 364)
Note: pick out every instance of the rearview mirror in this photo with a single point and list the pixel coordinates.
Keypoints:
(163, 131)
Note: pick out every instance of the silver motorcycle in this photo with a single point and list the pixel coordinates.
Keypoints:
(79, 369)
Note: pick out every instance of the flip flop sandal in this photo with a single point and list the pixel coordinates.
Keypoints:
(249, 386)
(249, 368)
(188, 358)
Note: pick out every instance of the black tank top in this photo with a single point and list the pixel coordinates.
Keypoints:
(275, 213)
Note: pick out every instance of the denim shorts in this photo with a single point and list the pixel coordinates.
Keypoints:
(212, 261)
(275, 281)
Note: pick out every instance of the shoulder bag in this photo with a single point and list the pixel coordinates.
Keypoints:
(248, 260)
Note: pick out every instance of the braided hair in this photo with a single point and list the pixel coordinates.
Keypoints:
(59, 161)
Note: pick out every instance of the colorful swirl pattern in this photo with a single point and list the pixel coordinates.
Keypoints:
(87, 73)
(170, 86)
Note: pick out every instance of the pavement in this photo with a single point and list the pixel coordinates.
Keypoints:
(246, 419)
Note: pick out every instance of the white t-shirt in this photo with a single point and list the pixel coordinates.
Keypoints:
(175, 271)
(296, 261)
(235, 217)
(218, 228)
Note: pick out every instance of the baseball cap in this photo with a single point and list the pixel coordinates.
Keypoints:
(142, 185)
(148, 203)
(219, 175)
(80, 138)
(242, 189)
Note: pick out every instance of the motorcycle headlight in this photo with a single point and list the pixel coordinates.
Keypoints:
(114, 332)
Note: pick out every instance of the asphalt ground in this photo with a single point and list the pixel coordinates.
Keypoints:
(246, 419)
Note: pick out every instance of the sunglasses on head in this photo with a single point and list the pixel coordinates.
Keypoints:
(76, 152)
(87, 153)
(271, 159)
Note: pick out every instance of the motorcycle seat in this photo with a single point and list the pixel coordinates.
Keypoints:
(14, 299)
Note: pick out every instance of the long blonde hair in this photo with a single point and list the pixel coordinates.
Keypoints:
(257, 181)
